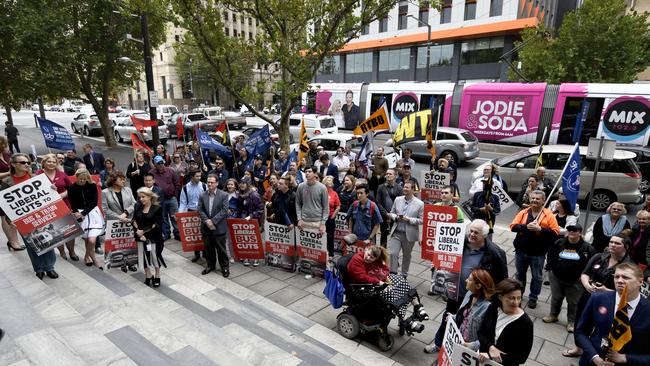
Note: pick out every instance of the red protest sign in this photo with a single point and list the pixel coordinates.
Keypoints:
(432, 215)
(280, 246)
(246, 238)
(189, 226)
(120, 247)
(312, 252)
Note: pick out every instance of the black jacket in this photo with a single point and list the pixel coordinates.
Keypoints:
(567, 260)
(386, 197)
(494, 261)
(82, 197)
(283, 205)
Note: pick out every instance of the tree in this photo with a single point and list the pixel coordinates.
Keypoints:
(598, 43)
(294, 37)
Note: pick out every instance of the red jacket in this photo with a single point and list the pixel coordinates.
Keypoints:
(362, 272)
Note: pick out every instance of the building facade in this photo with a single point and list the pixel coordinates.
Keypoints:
(468, 37)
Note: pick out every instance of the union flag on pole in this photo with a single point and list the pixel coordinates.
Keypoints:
(620, 333)
(138, 144)
(140, 124)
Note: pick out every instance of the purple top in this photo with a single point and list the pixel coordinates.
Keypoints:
(61, 181)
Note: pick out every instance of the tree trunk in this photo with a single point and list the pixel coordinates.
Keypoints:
(107, 129)
(284, 133)
(10, 118)
(41, 109)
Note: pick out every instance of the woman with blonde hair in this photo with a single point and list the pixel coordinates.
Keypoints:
(5, 172)
(118, 204)
(60, 181)
(608, 225)
(84, 203)
(147, 224)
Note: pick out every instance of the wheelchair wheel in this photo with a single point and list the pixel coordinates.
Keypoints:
(385, 342)
(348, 325)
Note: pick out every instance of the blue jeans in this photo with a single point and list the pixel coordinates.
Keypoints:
(43, 263)
(169, 207)
(536, 263)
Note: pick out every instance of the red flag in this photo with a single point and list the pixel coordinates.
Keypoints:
(138, 144)
(179, 127)
(140, 124)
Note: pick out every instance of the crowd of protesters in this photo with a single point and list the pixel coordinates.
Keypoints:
(381, 205)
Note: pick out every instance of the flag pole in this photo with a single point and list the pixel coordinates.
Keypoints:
(548, 199)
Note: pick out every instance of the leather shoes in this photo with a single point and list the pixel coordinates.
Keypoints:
(2, 334)
(196, 258)
(52, 274)
(207, 270)
(40, 275)
(225, 273)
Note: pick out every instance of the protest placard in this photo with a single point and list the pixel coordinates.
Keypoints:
(312, 252)
(246, 238)
(280, 246)
(463, 356)
(504, 199)
(432, 215)
(189, 226)
(452, 337)
(340, 232)
(448, 258)
(40, 215)
(120, 248)
(432, 183)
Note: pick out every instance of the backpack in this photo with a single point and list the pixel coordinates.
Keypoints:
(355, 209)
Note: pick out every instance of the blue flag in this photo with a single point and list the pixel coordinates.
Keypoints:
(208, 143)
(580, 120)
(571, 177)
(55, 135)
(259, 142)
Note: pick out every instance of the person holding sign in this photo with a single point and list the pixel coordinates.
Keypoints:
(213, 208)
(83, 201)
(446, 199)
(407, 213)
(625, 340)
(513, 332)
(147, 225)
(189, 198)
(118, 203)
(484, 210)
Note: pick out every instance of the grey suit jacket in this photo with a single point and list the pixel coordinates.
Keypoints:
(218, 214)
(414, 212)
(111, 206)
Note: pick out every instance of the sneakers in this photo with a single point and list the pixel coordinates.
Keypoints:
(256, 262)
(570, 327)
(246, 262)
(549, 318)
(432, 348)
(532, 304)
(420, 313)
(413, 326)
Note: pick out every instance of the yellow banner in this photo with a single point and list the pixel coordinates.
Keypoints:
(620, 333)
(304, 145)
(378, 121)
(412, 127)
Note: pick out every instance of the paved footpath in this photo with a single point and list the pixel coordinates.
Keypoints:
(259, 316)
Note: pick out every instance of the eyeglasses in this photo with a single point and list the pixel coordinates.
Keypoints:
(616, 209)
(23, 162)
(572, 230)
(177, 157)
(219, 163)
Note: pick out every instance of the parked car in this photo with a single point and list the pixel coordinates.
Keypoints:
(235, 120)
(314, 125)
(333, 141)
(87, 124)
(642, 160)
(123, 128)
(617, 180)
(245, 112)
(190, 121)
(460, 143)
(164, 111)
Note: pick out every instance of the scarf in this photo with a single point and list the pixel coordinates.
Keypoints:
(607, 225)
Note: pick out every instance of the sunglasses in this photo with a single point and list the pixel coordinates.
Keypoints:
(23, 162)
(573, 230)
(616, 209)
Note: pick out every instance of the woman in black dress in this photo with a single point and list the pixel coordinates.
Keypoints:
(84, 204)
(147, 222)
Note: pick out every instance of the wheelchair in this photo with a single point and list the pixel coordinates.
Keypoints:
(366, 312)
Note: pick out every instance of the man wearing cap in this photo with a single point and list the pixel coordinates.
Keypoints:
(220, 172)
(170, 186)
(379, 167)
(312, 203)
(407, 177)
(259, 173)
(566, 260)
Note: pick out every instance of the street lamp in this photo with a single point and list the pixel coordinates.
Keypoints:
(428, 42)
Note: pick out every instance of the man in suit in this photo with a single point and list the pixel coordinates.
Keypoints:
(94, 161)
(329, 169)
(597, 318)
(213, 209)
(407, 214)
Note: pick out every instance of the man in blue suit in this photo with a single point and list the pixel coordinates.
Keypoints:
(329, 169)
(598, 315)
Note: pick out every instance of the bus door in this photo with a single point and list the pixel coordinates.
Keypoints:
(570, 114)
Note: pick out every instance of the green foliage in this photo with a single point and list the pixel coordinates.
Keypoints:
(293, 39)
(598, 43)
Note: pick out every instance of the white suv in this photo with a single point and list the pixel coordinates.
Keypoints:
(315, 125)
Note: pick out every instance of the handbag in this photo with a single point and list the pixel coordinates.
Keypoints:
(334, 290)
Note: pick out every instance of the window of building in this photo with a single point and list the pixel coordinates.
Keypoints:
(397, 59)
(250, 35)
(227, 31)
(234, 32)
(365, 30)
(161, 57)
(470, 9)
(171, 91)
(331, 65)
(137, 89)
(164, 86)
(177, 38)
(496, 8)
(383, 25)
(358, 62)
(402, 19)
(250, 21)
(439, 55)
(481, 50)
(234, 18)
(445, 13)
(424, 13)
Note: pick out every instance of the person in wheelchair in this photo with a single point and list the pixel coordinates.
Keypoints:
(371, 267)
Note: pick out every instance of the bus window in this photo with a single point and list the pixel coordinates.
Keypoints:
(428, 101)
(376, 98)
(569, 120)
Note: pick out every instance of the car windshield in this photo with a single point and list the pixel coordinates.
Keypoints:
(468, 136)
(355, 142)
(172, 109)
(195, 117)
(327, 123)
(516, 156)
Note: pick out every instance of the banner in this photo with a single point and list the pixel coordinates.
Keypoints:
(571, 177)
(189, 226)
(312, 252)
(340, 231)
(208, 143)
(303, 145)
(280, 246)
(412, 127)
(141, 124)
(463, 356)
(505, 200)
(432, 215)
(448, 258)
(451, 338)
(376, 122)
(246, 238)
(40, 215)
(55, 135)
(432, 183)
(645, 289)
(120, 248)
